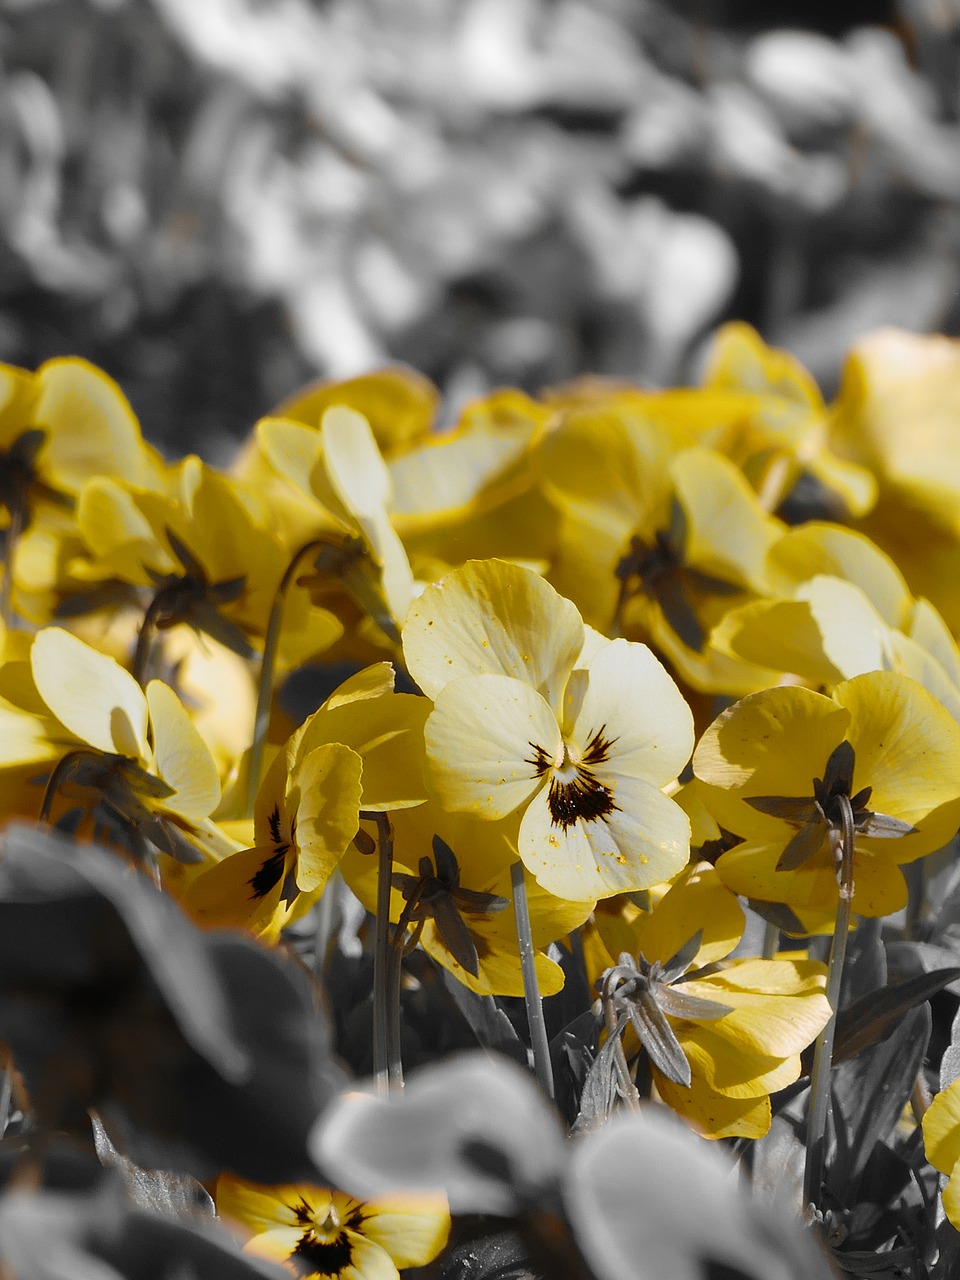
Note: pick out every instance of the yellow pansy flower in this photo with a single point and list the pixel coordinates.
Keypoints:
(848, 612)
(721, 1035)
(136, 750)
(656, 544)
(773, 766)
(340, 470)
(533, 713)
(198, 547)
(362, 749)
(318, 1231)
(784, 429)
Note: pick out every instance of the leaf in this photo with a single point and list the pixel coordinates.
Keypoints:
(870, 1093)
(803, 845)
(486, 1019)
(873, 1017)
(599, 1094)
(173, 1194)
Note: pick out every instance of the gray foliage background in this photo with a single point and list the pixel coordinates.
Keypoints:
(217, 200)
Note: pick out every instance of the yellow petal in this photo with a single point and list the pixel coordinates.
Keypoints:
(641, 842)
(399, 404)
(386, 732)
(372, 682)
(328, 813)
(629, 700)
(479, 750)
(491, 617)
(180, 755)
(91, 428)
(698, 901)
(714, 1115)
(907, 746)
(941, 1129)
(242, 891)
(728, 533)
(772, 743)
(412, 1229)
(818, 548)
(90, 694)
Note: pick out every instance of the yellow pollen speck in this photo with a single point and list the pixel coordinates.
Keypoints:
(622, 859)
(552, 840)
(485, 643)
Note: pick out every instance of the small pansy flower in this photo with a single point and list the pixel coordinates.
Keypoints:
(721, 1034)
(528, 716)
(779, 767)
(318, 1231)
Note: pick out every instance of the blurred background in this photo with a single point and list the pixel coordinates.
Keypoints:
(218, 200)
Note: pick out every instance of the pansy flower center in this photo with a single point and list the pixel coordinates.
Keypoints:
(574, 790)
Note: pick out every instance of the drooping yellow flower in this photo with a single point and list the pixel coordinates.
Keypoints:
(783, 431)
(318, 1231)
(656, 544)
(136, 752)
(452, 889)
(533, 713)
(340, 471)
(362, 749)
(721, 1035)
(841, 608)
(198, 546)
(773, 766)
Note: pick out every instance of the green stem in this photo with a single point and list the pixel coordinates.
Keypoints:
(267, 664)
(771, 941)
(531, 989)
(15, 528)
(61, 771)
(326, 910)
(147, 634)
(387, 1068)
(627, 1089)
(819, 1103)
(915, 875)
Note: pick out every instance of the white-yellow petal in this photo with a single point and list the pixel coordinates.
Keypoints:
(492, 617)
(482, 742)
(631, 701)
(90, 694)
(181, 756)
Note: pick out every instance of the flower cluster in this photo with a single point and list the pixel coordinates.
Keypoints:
(618, 697)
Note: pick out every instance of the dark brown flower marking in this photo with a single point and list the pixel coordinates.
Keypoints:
(581, 796)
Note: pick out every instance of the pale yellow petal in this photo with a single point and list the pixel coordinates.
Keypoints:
(90, 694)
(482, 740)
(328, 813)
(181, 757)
(491, 617)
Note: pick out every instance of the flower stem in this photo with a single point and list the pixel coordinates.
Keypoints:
(147, 634)
(771, 941)
(14, 530)
(61, 771)
(823, 1046)
(626, 1086)
(531, 989)
(267, 664)
(387, 1067)
(326, 912)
